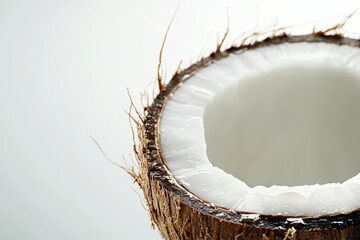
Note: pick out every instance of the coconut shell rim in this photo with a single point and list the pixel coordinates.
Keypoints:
(158, 170)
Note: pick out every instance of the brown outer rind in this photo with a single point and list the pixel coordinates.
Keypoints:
(179, 214)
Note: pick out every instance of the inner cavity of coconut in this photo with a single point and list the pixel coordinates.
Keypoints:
(248, 131)
(290, 126)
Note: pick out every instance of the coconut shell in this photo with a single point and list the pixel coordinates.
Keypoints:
(178, 214)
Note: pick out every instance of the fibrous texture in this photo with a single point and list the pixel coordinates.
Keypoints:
(194, 210)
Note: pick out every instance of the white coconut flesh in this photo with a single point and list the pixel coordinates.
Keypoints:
(273, 130)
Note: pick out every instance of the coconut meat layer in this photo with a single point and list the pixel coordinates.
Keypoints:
(273, 130)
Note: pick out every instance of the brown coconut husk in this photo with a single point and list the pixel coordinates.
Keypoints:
(179, 214)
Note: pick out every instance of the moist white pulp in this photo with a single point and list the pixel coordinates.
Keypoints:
(248, 131)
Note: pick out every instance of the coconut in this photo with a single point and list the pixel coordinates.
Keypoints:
(257, 142)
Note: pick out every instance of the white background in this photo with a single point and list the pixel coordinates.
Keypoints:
(64, 70)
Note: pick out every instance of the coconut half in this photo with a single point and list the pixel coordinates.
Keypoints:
(260, 141)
